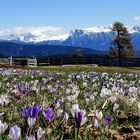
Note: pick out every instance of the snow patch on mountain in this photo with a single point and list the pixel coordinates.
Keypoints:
(98, 29)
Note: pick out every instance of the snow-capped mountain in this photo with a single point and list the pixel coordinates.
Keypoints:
(99, 37)
(95, 37)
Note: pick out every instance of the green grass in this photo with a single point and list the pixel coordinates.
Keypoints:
(90, 68)
(80, 68)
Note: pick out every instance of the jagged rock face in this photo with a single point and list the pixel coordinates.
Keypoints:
(99, 38)
(93, 40)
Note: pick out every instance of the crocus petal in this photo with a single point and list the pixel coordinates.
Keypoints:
(14, 133)
(75, 109)
(25, 113)
(31, 121)
(96, 124)
(40, 133)
(107, 120)
(49, 115)
(3, 127)
(35, 111)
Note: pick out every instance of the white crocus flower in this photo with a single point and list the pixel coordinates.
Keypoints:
(31, 121)
(66, 117)
(40, 133)
(113, 99)
(3, 127)
(96, 123)
(99, 115)
(92, 97)
(72, 97)
(59, 112)
(14, 133)
(4, 100)
(115, 107)
(85, 84)
(68, 91)
(75, 109)
(87, 100)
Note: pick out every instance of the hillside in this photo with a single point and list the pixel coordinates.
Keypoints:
(26, 50)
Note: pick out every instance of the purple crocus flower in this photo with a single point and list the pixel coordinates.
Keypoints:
(59, 84)
(73, 75)
(79, 118)
(126, 92)
(34, 111)
(55, 77)
(22, 90)
(88, 95)
(30, 112)
(107, 120)
(25, 113)
(49, 114)
(58, 101)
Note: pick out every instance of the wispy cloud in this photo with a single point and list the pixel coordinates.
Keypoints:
(137, 18)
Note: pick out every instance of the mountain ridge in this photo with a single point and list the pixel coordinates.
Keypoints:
(98, 38)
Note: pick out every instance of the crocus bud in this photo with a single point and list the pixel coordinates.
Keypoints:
(115, 107)
(65, 118)
(40, 133)
(79, 118)
(14, 133)
(96, 124)
(31, 121)
(3, 127)
(107, 120)
(75, 109)
(59, 112)
(99, 115)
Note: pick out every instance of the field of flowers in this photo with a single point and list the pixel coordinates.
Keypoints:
(52, 105)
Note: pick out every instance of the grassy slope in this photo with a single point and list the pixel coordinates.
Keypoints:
(77, 68)
(91, 68)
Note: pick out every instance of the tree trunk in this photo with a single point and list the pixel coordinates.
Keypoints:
(119, 56)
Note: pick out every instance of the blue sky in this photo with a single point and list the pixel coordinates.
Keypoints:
(68, 13)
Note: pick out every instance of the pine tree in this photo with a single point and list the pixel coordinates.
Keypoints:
(122, 42)
(78, 53)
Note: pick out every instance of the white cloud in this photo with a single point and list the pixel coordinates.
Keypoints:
(137, 18)
(41, 32)
(36, 30)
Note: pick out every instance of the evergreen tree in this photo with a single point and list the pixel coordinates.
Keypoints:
(78, 53)
(122, 42)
